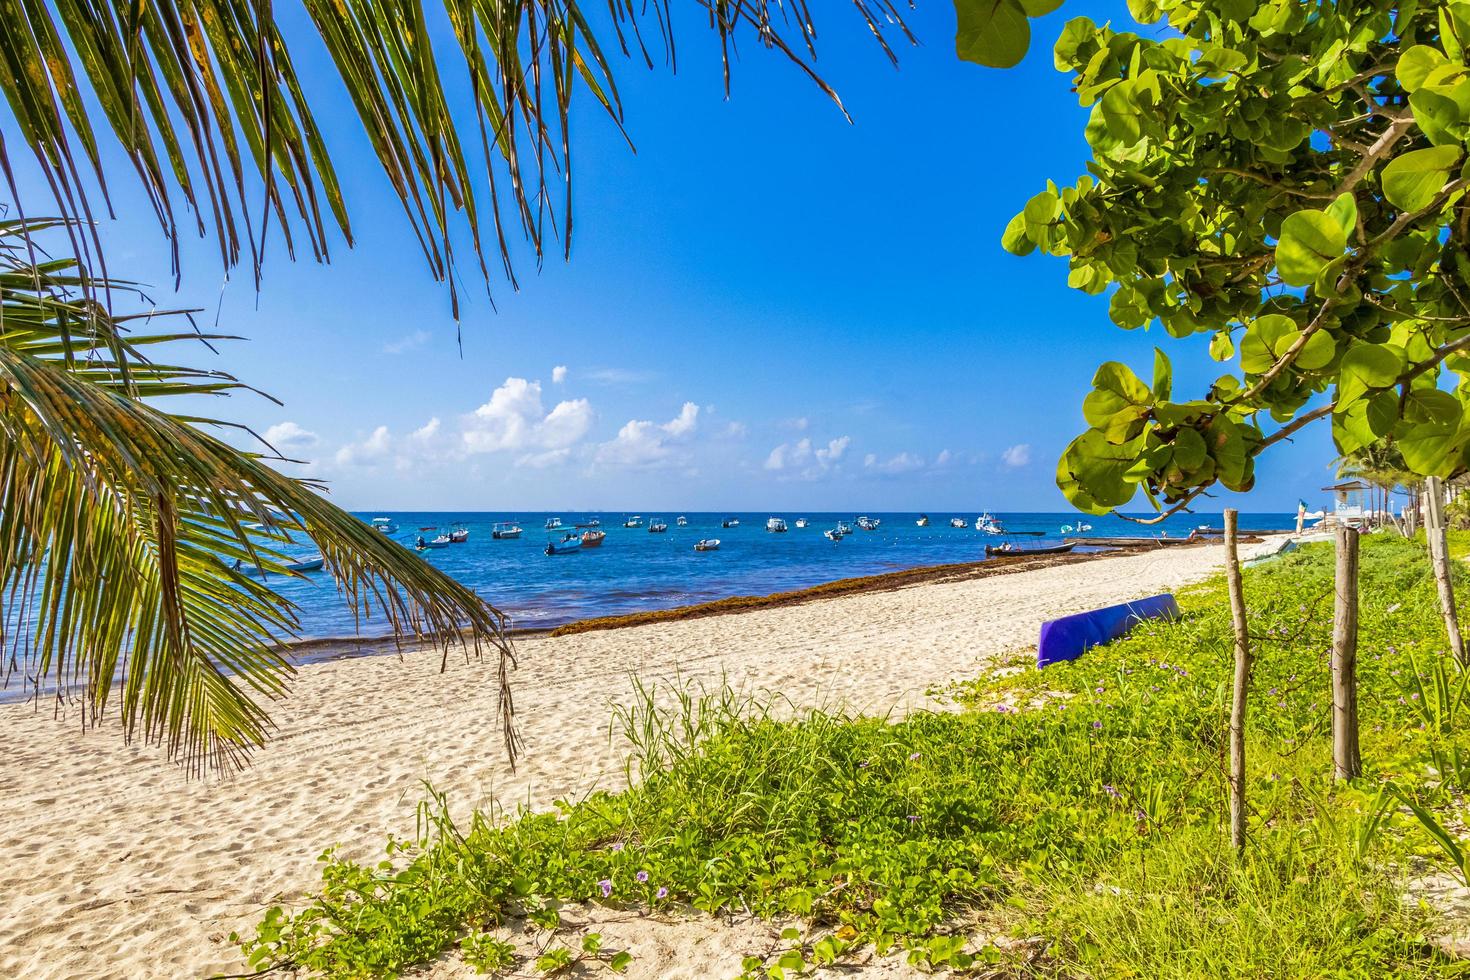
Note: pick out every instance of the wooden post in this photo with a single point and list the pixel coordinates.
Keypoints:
(1439, 557)
(1346, 763)
(1242, 684)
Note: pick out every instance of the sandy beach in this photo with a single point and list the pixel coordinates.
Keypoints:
(114, 864)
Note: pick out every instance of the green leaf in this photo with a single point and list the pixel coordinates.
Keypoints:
(1265, 340)
(1115, 389)
(1416, 63)
(1344, 210)
(1163, 376)
(1014, 239)
(1091, 473)
(1310, 239)
(1412, 180)
(1377, 365)
(994, 33)
(1222, 347)
(1039, 8)
(1121, 114)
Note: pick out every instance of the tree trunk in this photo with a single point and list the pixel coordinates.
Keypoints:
(1346, 763)
(1439, 557)
(1242, 684)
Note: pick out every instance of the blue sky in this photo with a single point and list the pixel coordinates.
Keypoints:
(766, 306)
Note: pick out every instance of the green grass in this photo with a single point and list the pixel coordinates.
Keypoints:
(1090, 824)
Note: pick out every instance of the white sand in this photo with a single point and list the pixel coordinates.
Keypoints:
(114, 864)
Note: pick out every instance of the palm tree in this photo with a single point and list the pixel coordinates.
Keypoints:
(130, 535)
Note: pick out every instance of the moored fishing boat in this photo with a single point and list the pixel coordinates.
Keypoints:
(959, 522)
(459, 534)
(835, 534)
(707, 544)
(730, 522)
(593, 538)
(657, 527)
(802, 522)
(682, 521)
(923, 520)
(505, 530)
(553, 523)
(1010, 550)
(776, 525)
(311, 563)
(567, 546)
(384, 525)
(868, 523)
(843, 528)
(423, 544)
(634, 521)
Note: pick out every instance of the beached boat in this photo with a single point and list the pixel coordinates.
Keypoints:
(593, 538)
(730, 522)
(311, 563)
(505, 530)
(923, 520)
(835, 534)
(1010, 550)
(682, 521)
(634, 521)
(459, 535)
(959, 522)
(553, 523)
(1071, 636)
(707, 544)
(775, 525)
(657, 527)
(384, 525)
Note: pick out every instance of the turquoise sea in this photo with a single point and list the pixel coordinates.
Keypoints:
(635, 570)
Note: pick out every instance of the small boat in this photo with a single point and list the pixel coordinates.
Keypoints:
(564, 546)
(959, 522)
(634, 521)
(843, 528)
(775, 525)
(923, 520)
(442, 541)
(1010, 550)
(1071, 636)
(384, 525)
(682, 521)
(868, 523)
(311, 563)
(505, 530)
(657, 527)
(430, 527)
(1079, 527)
(988, 524)
(707, 544)
(594, 522)
(802, 522)
(593, 538)
(730, 522)
(459, 535)
(836, 534)
(552, 523)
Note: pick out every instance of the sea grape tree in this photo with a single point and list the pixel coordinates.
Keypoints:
(1289, 178)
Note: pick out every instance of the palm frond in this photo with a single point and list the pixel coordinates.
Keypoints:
(204, 99)
(128, 535)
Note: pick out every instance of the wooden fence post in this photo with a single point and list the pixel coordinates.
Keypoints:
(1439, 557)
(1242, 684)
(1346, 763)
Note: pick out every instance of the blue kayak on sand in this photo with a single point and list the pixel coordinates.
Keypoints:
(1069, 637)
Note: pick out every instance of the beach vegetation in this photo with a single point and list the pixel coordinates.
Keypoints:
(1287, 180)
(1063, 822)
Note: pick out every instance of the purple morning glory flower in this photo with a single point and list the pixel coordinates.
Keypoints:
(1099, 690)
(1111, 791)
(913, 818)
(1097, 724)
(914, 757)
(617, 846)
(661, 893)
(641, 876)
(863, 764)
(606, 886)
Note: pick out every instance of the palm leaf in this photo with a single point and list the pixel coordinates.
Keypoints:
(129, 536)
(209, 86)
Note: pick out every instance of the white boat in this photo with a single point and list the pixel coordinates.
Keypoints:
(843, 528)
(958, 522)
(657, 527)
(594, 522)
(682, 521)
(707, 544)
(775, 525)
(384, 525)
(730, 522)
(311, 563)
(634, 521)
(802, 522)
(552, 523)
(988, 524)
(835, 534)
(1077, 528)
(459, 535)
(868, 523)
(505, 530)
(442, 541)
(923, 520)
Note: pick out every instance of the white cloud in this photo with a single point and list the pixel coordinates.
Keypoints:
(407, 343)
(375, 447)
(514, 419)
(618, 376)
(427, 431)
(1017, 456)
(643, 443)
(539, 461)
(944, 458)
(805, 461)
(558, 374)
(736, 430)
(288, 435)
(904, 462)
(799, 424)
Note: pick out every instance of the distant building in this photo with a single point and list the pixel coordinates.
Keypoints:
(1348, 502)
